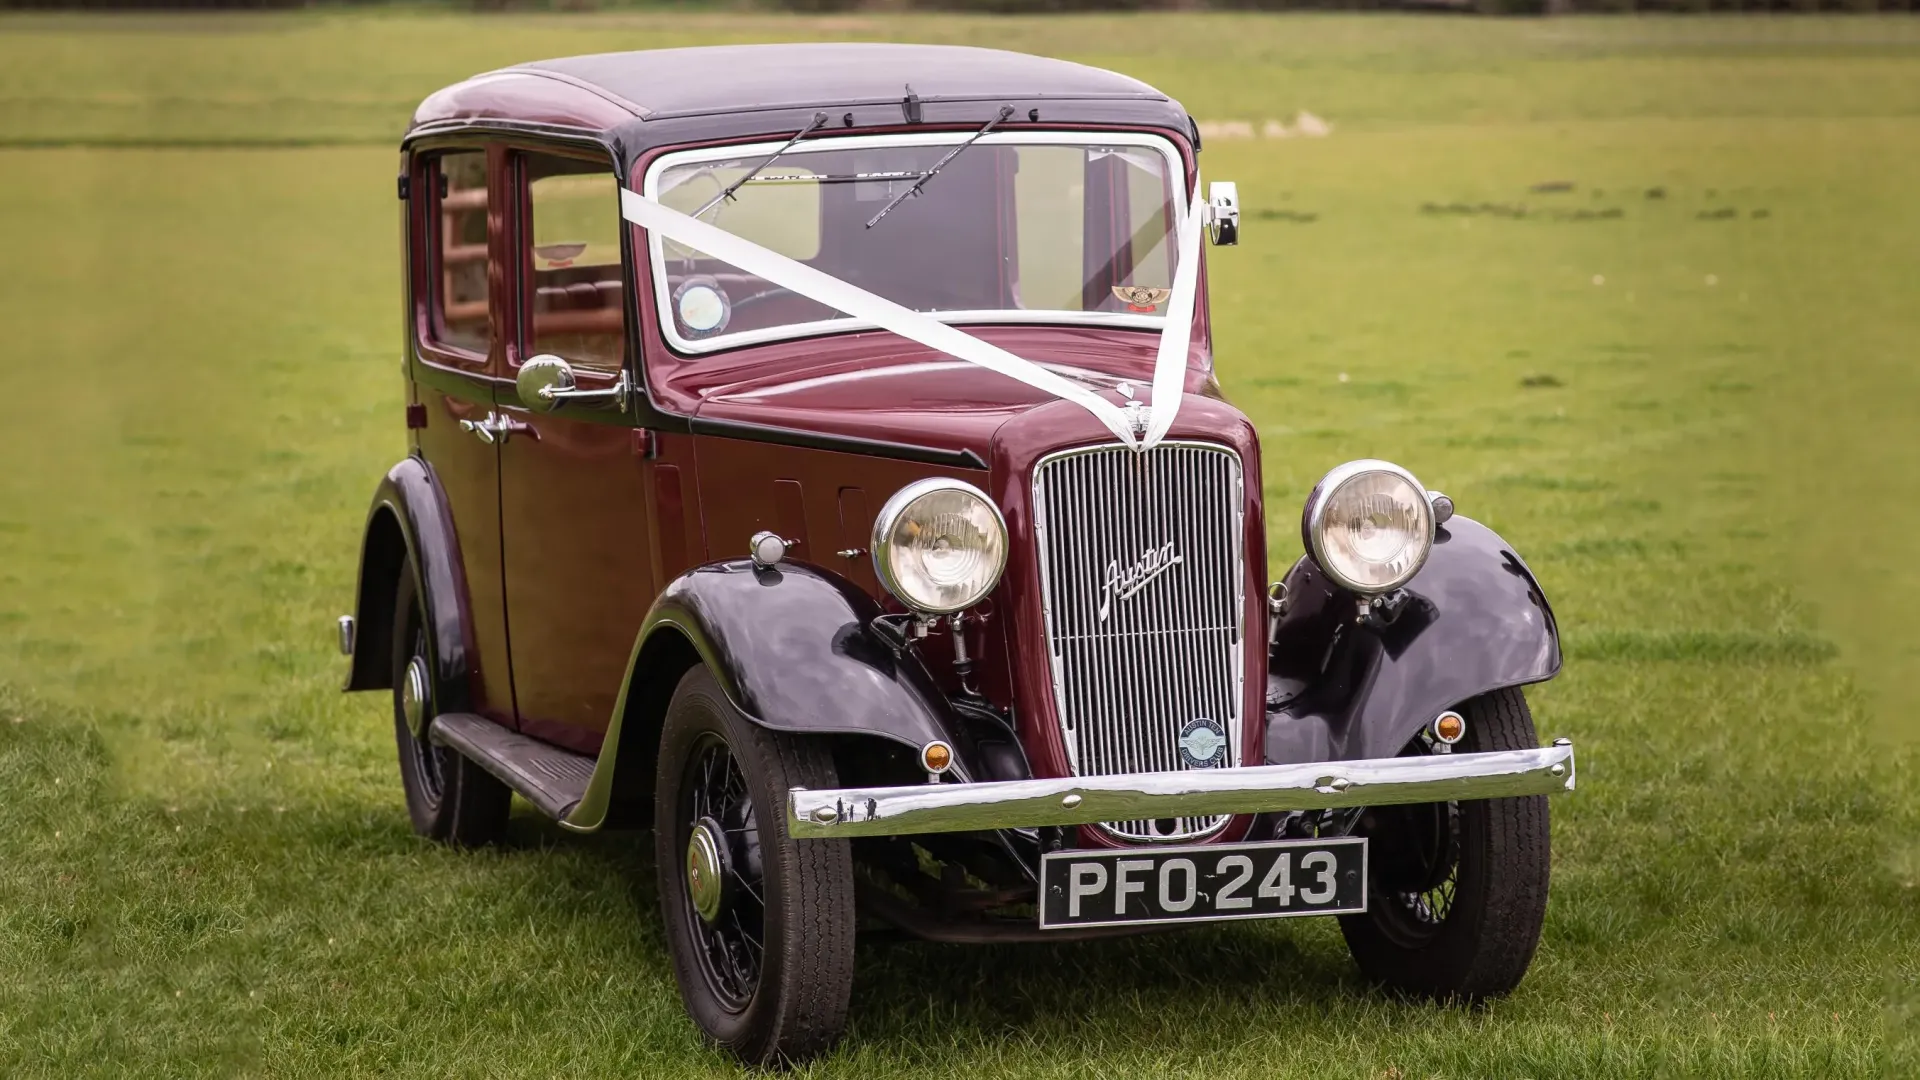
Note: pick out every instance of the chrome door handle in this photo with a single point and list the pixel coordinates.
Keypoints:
(494, 427)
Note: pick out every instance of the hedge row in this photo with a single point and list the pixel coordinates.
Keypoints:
(1017, 7)
(1493, 7)
(1513, 7)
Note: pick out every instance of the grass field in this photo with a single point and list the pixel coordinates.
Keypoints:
(1680, 380)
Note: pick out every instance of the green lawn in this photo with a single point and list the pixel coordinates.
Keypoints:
(1684, 386)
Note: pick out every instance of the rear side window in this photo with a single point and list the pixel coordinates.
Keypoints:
(571, 252)
(461, 316)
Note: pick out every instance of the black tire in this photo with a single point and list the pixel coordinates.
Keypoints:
(785, 1001)
(1459, 890)
(449, 798)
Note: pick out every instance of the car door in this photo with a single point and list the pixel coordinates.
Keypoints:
(458, 245)
(576, 482)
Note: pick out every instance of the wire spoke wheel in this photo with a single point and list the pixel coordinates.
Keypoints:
(1460, 888)
(759, 925)
(1430, 907)
(715, 800)
(449, 798)
(414, 695)
(1424, 910)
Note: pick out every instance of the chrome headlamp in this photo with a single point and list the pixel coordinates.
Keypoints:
(939, 545)
(1369, 525)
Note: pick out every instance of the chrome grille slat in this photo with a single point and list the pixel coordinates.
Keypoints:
(1124, 686)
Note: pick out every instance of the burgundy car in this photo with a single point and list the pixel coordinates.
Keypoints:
(816, 457)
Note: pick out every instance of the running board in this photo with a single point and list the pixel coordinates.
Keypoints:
(552, 779)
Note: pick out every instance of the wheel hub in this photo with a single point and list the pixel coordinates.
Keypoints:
(413, 696)
(706, 869)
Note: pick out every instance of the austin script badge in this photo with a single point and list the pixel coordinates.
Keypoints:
(1122, 582)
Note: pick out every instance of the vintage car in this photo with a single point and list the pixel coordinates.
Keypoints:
(816, 457)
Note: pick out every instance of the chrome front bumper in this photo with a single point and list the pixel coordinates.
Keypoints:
(1080, 800)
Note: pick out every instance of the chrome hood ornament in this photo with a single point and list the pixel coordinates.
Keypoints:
(1136, 412)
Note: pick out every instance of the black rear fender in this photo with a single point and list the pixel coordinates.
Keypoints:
(408, 525)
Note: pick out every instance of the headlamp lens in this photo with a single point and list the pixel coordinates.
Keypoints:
(1369, 526)
(940, 546)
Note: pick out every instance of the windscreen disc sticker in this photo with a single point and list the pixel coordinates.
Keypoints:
(1141, 298)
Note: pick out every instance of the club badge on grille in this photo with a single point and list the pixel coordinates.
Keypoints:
(1123, 582)
(1203, 743)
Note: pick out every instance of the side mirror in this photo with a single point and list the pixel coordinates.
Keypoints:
(1223, 213)
(546, 382)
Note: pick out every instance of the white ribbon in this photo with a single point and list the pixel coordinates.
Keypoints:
(1169, 371)
(1170, 365)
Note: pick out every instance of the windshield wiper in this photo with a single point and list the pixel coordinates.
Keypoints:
(726, 194)
(1005, 111)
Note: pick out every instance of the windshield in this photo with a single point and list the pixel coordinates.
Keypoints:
(1018, 227)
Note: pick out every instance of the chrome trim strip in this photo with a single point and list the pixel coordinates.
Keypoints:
(1084, 800)
(656, 252)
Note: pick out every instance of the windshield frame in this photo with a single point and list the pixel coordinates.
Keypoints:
(656, 252)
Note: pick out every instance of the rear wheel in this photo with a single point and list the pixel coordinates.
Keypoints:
(760, 926)
(449, 798)
(1459, 890)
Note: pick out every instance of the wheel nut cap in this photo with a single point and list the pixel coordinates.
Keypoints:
(704, 872)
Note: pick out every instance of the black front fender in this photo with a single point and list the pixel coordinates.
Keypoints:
(795, 650)
(408, 525)
(1475, 620)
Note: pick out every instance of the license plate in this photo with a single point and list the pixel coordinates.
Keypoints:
(1203, 883)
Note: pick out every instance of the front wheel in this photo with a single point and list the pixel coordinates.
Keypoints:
(760, 926)
(1459, 889)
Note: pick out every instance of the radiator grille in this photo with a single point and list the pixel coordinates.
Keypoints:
(1142, 577)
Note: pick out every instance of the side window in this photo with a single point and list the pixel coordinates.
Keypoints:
(461, 318)
(576, 290)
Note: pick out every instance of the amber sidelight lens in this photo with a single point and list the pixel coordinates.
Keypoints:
(1449, 726)
(936, 756)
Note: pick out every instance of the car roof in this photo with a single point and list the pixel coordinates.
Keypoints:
(732, 78)
(634, 102)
